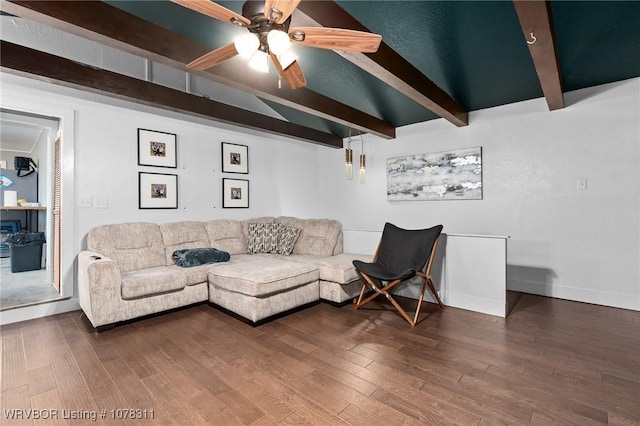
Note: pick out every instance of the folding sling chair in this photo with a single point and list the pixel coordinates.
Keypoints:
(401, 255)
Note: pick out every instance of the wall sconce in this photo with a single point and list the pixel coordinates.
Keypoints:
(363, 162)
(363, 169)
(348, 153)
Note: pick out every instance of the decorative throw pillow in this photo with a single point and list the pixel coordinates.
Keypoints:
(287, 237)
(187, 258)
(263, 237)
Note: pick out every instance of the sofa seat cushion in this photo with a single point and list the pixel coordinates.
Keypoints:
(338, 269)
(150, 281)
(263, 276)
(194, 275)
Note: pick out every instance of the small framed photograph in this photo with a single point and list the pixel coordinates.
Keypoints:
(157, 191)
(235, 158)
(156, 149)
(235, 193)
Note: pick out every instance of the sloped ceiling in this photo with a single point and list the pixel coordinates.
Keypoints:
(474, 52)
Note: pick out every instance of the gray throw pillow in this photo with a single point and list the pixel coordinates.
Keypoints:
(263, 237)
(287, 237)
(187, 258)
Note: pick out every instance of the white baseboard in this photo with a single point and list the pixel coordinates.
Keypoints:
(614, 300)
(40, 310)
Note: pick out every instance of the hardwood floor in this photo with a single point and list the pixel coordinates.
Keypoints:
(550, 362)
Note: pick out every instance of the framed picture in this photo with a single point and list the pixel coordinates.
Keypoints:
(235, 158)
(157, 191)
(235, 193)
(156, 149)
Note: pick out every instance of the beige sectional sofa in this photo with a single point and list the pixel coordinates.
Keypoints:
(128, 270)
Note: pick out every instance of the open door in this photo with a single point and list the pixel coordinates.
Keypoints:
(57, 173)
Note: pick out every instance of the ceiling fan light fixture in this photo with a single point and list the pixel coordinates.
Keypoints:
(247, 45)
(260, 62)
(286, 59)
(278, 42)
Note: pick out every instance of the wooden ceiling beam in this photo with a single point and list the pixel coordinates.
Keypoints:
(106, 24)
(387, 65)
(32, 63)
(537, 27)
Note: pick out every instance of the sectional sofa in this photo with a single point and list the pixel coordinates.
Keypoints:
(275, 265)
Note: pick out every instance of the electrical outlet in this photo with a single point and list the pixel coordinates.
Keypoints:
(581, 184)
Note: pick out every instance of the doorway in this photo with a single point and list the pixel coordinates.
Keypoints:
(30, 264)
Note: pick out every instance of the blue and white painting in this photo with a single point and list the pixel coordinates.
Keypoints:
(447, 175)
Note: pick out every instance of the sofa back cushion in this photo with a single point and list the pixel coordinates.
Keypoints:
(226, 235)
(318, 237)
(338, 248)
(182, 235)
(131, 246)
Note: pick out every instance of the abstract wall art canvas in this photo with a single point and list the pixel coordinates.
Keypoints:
(447, 175)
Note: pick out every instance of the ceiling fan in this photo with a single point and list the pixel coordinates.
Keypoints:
(270, 36)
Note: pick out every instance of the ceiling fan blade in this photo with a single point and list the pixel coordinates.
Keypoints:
(336, 39)
(285, 7)
(213, 58)
(213, 10)
(292, 75)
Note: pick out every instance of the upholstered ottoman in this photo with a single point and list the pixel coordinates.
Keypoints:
(263, 287)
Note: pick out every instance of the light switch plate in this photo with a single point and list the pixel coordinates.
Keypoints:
(85, 202)
(102, 203)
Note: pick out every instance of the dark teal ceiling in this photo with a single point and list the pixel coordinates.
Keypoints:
(474, 50)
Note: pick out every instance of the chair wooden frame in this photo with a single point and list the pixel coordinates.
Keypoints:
(384, 290)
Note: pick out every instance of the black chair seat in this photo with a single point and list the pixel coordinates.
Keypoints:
(376, 271)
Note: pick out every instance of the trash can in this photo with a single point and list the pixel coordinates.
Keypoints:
(26, 250)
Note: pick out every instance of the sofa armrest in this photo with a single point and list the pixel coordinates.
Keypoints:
(99, 288)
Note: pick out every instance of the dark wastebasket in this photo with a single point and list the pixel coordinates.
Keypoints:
(26, 250)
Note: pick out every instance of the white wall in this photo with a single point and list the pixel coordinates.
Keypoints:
(282, 172)
(566, 243)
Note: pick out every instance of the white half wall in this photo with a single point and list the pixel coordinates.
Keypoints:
(575, 244)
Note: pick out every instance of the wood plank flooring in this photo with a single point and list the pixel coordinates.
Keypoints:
(550, 362)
